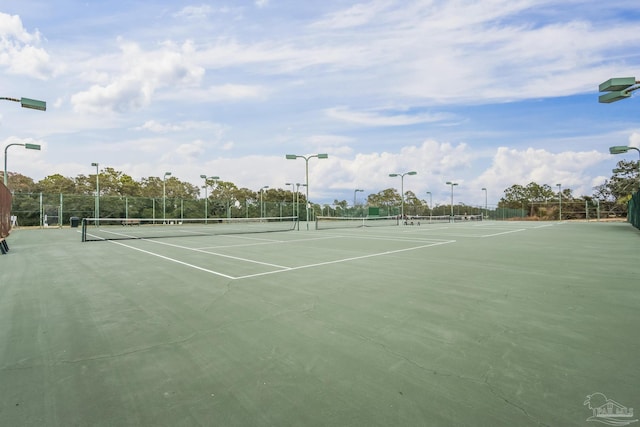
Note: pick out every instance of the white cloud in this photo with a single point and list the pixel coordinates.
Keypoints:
(19, 51)
(356, 15)
(376, 118)
(166, 127)
(11, 28)
(511, 166)
(140, 74)
(191, 150)
(194, 12)
(235, 91)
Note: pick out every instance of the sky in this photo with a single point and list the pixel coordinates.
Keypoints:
(486, 93)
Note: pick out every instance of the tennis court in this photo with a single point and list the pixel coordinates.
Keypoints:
(471, 323)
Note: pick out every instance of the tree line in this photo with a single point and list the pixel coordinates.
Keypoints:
(536, 200)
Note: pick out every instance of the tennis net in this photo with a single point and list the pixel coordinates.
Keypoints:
(436, 219)
(329, 222)
(97, 229)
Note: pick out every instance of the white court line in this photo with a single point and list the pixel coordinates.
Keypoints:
(218, 254)
(427, 229)
(173, 260)
(389, 239)
(268, 242)
(345, 260)
(283, 269)
(504, 232)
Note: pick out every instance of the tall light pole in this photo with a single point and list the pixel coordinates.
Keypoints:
(33, 104)
(401, 175)
(560, 199)
(206, 196)
(26, 146)
(306, 160)
(355, 192)
(293, 198)
(97, 203)
(298, 185)
(261, 202)
(452, 184)
(430, 205)
(486, 211)
(164, 195)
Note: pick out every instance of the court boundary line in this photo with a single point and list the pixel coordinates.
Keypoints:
(345, 259)
(206, 270)
(282, 269)
(216, 254)
(503, 232)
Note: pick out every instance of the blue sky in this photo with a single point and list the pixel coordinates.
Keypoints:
(485, 93)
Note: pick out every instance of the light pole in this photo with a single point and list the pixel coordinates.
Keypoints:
(33, 104)
(164, 196)
(560, 199)
(97, 208)
(298, 185)
(618, 88)
(401, 175)
(293, 198)
(26, 146)
(206, 196)
(452, 184)
(621, 149)
(261, 202)
(430, 205)
(306, 160)
(355, 192)
(486, 211)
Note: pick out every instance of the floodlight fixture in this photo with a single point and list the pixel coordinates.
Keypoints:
(452, 184)
(617, 89)
(306, 160)
(402, 175)
(26, 146)
(618, 149)
(32, 104)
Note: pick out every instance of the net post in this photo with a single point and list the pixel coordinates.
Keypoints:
(84, 229)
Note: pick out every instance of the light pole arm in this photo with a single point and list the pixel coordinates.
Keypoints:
(6, 176)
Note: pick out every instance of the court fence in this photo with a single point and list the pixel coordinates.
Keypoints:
(5, 217)
(574, 210)
(633, 215)
(56, 210)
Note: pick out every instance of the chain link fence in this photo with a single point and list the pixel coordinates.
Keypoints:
(633, 215)
(5, 211)
(55, 210)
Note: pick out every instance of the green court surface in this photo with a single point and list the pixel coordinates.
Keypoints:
(470, 324)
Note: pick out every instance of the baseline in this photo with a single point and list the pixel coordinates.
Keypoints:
(346, 259)
(280, 268)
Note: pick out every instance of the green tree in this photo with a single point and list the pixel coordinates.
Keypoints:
(56, 184)
(616, 192)
(527, 197)
(19, 183)
(413, 205)
(386, 198)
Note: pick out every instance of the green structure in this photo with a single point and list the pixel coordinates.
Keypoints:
(617, 88)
